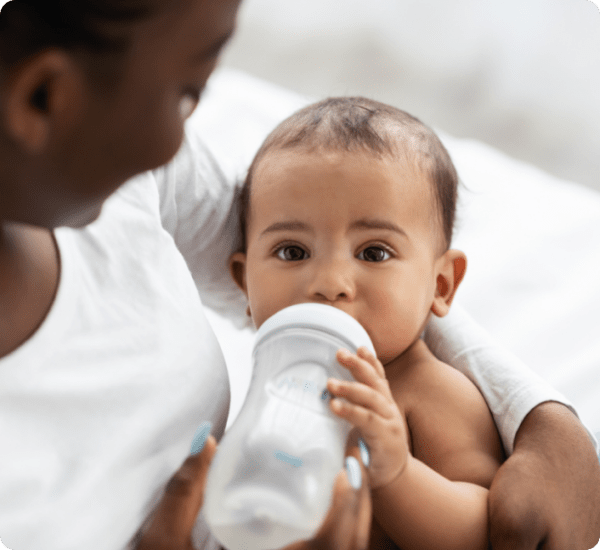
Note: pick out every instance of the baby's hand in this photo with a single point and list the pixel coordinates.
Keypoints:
(372, 409)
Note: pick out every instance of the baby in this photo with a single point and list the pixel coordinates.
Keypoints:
(350, 203)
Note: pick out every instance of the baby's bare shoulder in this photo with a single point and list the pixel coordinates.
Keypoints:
(451, 427)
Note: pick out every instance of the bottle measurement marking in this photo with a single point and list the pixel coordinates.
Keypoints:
(307, 385)
(285, 457)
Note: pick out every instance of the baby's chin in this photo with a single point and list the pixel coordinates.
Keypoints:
(386, 358)
(385, 352)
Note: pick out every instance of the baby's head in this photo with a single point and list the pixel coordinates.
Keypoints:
(350, 202)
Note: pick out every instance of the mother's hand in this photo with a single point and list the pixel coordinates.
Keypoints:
(547, 494)
(171, 525)
(346, 526)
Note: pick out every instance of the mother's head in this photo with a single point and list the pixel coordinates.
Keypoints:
(93, 92)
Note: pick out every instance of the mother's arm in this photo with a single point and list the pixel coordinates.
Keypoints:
(548, 490)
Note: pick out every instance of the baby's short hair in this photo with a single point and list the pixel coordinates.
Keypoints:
(357, 124)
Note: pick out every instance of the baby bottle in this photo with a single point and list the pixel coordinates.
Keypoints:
(271, 479)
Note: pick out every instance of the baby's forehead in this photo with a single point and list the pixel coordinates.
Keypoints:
(399, 159)
(400, 167)
(290, 173)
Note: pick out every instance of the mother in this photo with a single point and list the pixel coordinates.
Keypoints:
(107, 363)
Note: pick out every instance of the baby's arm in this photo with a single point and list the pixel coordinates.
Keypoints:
(417, 506)
(552, 475)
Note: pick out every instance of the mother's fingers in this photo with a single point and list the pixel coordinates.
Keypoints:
(171, 524)
(347, 525)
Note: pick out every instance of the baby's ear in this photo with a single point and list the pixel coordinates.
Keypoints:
(237, 268)
(451, 268)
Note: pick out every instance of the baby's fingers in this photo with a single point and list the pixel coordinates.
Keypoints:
(366, 354)
(367, 370)
(371, 425)
(362, 395)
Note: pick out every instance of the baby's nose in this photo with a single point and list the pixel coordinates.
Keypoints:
(332, 282)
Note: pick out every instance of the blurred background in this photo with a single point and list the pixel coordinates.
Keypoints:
(521, 75)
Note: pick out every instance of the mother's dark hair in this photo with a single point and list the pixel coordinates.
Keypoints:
(94, 26)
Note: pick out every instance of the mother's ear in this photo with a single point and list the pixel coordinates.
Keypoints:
(450, 269)
(43, 99)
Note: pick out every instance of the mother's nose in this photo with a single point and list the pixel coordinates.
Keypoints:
(332, 281)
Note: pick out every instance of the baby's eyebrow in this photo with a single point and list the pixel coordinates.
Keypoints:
(286, 226)
(372, 223)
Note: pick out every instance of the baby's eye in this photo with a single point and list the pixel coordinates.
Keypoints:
(374, 254)
(291, 253)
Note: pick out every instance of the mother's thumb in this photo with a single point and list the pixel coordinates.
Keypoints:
(175, 515)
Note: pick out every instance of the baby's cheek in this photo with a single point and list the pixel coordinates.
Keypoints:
(265, 301)
(258, 309)
(386, 343)
(392, 336)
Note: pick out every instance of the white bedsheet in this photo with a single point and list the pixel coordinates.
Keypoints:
(533, 244)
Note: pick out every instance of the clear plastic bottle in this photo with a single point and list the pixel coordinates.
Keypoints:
(271, 479)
